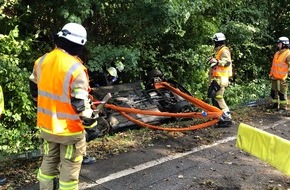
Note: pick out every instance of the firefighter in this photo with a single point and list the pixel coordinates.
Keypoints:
(60, 85)
(112, 76)
(278, 75)
(219, 74)
(3, 180)
(106, 78)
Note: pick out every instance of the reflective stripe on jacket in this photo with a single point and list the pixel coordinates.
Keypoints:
(220, 71)
(279, 69)
(55, 72)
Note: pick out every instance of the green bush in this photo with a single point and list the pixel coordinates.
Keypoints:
(173, 36)
(18, 127)
(239, 94)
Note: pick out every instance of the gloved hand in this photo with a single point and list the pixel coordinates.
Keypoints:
(99, 130)
(88, 116)
(212, 60)
(92, 133)
(213, 64)
(87, 113)
(90, 125)
(89, 122)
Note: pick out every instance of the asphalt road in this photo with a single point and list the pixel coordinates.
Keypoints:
(219, 165)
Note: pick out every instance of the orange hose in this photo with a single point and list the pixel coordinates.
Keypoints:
(212, 112)
(198, 103)
(148, 112)
(190, 128)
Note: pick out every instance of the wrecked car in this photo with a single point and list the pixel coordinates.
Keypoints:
(156, 102)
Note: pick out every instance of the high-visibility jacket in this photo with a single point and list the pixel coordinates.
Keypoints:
(55, 72)
(1, 100)
(220, 71)
(279, 69)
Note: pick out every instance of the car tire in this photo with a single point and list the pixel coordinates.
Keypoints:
(182, 107)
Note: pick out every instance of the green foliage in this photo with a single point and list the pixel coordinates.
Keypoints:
(194, 68)
(173, 36)
(237, 94)
(17, 128)
(139, 22)
(247, 36)
(102, 57)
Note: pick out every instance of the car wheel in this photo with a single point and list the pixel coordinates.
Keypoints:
(182, 107)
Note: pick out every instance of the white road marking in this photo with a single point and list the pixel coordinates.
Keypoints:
(168, 158)
(158, 161)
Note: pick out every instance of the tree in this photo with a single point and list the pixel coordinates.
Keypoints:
(173, 36)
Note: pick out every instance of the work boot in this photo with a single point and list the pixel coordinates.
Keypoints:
(225, 121)
(3, 181)
(89, 160)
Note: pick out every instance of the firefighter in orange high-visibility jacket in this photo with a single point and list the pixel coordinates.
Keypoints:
(60, 85)
(278, 75)
(219, 74)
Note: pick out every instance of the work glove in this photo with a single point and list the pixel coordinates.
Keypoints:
(88, 112)
(99, 130)
(212, 65)
(89, 122)
(90, 125)
(88, 116)
(213, 62)
(92, 133)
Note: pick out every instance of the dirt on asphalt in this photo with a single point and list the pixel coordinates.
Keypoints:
(250, 173)
(22, 173)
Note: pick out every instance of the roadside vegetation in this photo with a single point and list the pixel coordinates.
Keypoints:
(173, 36)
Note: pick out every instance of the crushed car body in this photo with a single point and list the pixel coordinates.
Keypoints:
(157, 102)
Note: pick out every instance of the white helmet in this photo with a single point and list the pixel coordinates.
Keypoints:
(112, 71)
(217, 37)
(120, 66)
(283, 40)
(74, 32)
